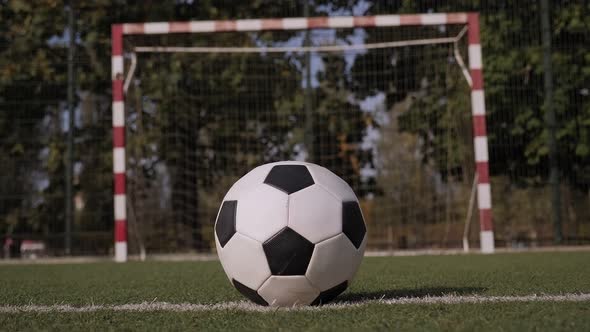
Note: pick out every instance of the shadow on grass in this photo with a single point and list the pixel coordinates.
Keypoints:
(404, 293)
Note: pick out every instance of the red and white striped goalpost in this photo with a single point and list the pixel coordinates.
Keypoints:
(475, 70)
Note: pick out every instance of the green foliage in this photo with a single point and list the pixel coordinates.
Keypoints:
(33, 84)
(29, 71)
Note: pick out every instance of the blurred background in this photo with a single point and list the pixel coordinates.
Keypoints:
(395, 123)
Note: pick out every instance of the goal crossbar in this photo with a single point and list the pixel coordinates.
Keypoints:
(473, 75)
(300, 49)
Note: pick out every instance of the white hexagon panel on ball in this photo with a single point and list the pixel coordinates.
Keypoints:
(331, 182)
(262, 212)
(315, 213)
(251, 272)
(241, 187)
(334, 261)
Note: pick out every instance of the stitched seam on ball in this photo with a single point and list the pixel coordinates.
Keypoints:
(330, 192)
(246, 236)
(331, 237)
(265, 280)
(311, 283)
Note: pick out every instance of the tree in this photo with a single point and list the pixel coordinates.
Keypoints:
(31, 77)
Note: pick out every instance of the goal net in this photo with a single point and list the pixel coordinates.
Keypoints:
(392, 104)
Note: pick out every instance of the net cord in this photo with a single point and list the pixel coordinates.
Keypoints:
(302, 49)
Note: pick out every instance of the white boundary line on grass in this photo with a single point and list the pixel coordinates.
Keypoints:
(248, 306)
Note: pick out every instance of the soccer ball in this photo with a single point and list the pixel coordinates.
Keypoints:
(290, 233)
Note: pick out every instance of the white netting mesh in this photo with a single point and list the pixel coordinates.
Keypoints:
(385, 109)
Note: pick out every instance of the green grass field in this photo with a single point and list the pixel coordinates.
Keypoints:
(387, 277)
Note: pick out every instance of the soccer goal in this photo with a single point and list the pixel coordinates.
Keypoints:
(387, 102)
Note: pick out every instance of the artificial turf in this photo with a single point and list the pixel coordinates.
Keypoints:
(384, 277)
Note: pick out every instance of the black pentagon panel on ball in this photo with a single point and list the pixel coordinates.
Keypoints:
(353, 224)
(330, 294)
(289, 178)
(249, 293)
(288, 253)
(225, 227)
